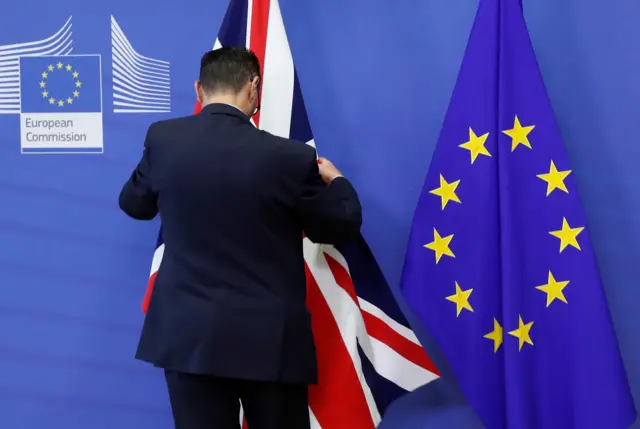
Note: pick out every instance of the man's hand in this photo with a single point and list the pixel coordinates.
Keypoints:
(328, 171)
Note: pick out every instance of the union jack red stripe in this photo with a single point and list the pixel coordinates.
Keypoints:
(368, 355)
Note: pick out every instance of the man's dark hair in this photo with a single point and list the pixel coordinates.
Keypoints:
(228, 69)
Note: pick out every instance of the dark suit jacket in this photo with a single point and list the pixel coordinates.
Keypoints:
(229, 298)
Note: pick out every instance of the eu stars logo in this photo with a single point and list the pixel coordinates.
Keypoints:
(73, 74)
(534, 158)
(61, 104)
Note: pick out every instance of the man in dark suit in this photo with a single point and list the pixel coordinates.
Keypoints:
(227, 320)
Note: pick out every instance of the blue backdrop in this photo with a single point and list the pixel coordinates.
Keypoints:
(376, 77)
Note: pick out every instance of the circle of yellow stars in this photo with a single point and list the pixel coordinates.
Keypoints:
(43, 84)
(568, 235)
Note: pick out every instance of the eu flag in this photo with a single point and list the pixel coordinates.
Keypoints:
(500, 266)
(60, 84)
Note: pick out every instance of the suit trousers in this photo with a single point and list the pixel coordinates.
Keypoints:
(209, 402)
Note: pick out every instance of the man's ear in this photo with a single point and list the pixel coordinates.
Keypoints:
(198, 88)
(255, 85)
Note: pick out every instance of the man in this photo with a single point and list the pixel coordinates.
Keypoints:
(227, 320)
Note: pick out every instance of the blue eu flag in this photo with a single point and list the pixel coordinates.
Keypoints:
(60, 84)
(500, 266)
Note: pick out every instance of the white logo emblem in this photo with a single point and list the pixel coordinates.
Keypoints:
(140, 84)
(57, 95)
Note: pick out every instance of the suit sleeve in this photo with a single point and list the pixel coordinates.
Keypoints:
(329, 214)
(137, 198)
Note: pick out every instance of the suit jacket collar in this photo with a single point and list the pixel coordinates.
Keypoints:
(223, 109)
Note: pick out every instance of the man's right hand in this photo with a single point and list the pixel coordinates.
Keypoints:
(328, 171)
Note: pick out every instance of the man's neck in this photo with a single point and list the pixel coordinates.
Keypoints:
(230, 100)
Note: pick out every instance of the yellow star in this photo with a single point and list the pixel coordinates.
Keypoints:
(44, 75)
(522, 333)
(440, 245)
(76, 94)
(555, 179)
(59, 65)
(78, 84)
(475, 145)
(69, 100)
(554, 289)
(519, 134)
(497, 335)
(50, 68)
(52, 100)
(568, 236)
(69, 68)
(446, 191)
(45, 94)
(75, 75)
(43, 84)
(60, 103)
(461, 299)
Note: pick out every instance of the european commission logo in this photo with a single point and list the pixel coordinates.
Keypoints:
(61, 104)
(58, 94)
(140, 84)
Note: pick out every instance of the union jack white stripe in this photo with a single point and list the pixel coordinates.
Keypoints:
(368, 355)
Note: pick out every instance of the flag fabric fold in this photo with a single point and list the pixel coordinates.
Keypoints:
(500, 267)
(368, 356)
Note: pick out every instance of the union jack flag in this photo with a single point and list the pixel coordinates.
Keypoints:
(368, 355)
